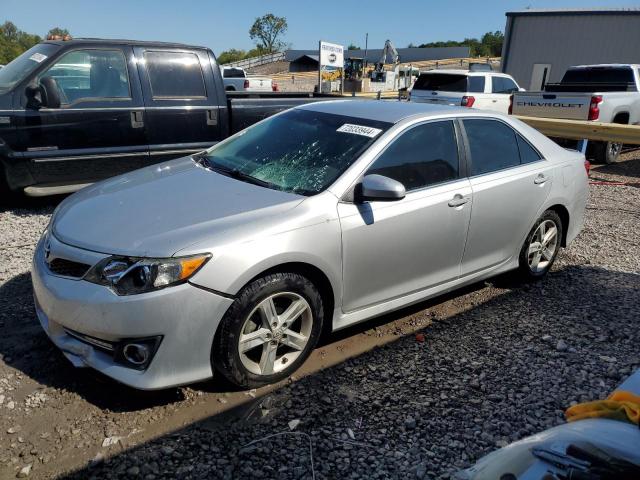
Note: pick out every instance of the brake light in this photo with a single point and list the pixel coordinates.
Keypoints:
(246, 84)
(510, 105)
(467, 101)
(594, 110)
(587, 166)
(274, 87)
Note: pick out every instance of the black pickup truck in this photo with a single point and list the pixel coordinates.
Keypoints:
(76, 111)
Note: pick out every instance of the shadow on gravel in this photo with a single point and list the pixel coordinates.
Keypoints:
(23, 205)
(625, 168)
(492, 374)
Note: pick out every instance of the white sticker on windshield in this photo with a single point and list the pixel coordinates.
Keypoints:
(359, 130)
(37, 57)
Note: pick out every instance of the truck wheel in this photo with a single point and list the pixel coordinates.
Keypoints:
(269, 330)
(606, 152)
(541, 247)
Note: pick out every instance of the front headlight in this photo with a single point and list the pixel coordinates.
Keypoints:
(130, 275)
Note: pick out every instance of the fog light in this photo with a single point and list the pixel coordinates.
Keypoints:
(136, 353)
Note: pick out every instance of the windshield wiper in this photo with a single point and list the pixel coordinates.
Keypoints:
(204, 160)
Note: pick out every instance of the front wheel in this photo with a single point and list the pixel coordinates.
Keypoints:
(541, 247)
(269, 330)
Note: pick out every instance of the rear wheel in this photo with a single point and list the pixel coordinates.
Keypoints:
(269, 330)
(606, 152)
(541, 247)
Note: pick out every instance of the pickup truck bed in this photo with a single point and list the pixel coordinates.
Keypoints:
(74, 112)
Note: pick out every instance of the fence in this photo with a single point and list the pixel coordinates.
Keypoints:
(257, 61)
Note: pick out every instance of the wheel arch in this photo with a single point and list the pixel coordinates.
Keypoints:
(621, 117)
(563, 213)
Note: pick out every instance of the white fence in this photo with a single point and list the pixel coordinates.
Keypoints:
(256, 61)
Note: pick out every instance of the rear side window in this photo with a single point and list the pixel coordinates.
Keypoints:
(476, 85)
(424, 155)
(527, 153)
(441, 82)
(175, 75)
(503, 85)
(492, 144)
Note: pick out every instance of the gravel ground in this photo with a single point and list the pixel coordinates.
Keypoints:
(497, 362)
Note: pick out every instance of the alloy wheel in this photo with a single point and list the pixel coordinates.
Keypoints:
(543, 246)
(275, 333)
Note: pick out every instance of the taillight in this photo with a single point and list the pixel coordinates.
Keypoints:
(594, 110)
(587, 166)
(246, 84)
(274, 87)
(467, 101)
(510, 105)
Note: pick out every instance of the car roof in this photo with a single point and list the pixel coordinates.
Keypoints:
(113, 41)
(457, 71)
(380, 110)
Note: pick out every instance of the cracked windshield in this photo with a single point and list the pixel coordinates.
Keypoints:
(299, 151)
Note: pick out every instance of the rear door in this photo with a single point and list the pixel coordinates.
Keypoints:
(510, 182)
(94, 134)
(180, 98)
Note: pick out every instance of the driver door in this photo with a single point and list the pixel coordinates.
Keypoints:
(391, 249)
(98, 130)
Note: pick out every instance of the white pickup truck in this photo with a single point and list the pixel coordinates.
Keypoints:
(603, 93)
(236, 80)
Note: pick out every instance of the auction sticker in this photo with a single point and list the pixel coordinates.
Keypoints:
(359, 130)
(37, 57)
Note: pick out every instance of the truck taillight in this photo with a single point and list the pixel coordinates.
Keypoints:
(587, 166)
(510, 105)
(594, 110)
(246, 84)
(274, 87)
(467, 101)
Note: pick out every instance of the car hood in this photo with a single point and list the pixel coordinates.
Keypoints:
(158, 210)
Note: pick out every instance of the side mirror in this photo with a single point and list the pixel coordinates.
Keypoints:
(521, 89)
(380, 188)
(45, 94)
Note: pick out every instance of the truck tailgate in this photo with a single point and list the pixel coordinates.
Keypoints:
(572, 106)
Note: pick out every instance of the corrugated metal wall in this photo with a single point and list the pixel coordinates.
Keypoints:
(566, 40)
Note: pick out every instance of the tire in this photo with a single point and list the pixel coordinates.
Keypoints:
(267, 354)
(535, 265)
(606, 152)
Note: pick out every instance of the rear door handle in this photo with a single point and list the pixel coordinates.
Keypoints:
(212, 117)
(458, 201)
(540, 179)
(137, 119)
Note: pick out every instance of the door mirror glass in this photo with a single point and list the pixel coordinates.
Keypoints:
(380, 188)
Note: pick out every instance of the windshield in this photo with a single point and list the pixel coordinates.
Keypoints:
(299, 151)
(20, 67)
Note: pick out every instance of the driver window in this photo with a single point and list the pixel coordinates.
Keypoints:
(424, 155)
(90, 75)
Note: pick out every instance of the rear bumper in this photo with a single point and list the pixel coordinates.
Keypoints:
(186, 317)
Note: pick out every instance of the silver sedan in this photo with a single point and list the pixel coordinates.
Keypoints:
(234, 261)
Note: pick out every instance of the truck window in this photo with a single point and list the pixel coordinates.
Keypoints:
(22, 66)
(503, 85)
(599, 75)
(447, 82)
(476, 85)
(90, 74)
(175, 75)
(233, 73)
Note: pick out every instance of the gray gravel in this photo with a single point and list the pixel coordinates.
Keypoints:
(505, 365)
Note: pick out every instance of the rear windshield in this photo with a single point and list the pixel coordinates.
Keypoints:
(447, 82)
(22, 66)
(233, 73)
(599, 75)
(299, 151)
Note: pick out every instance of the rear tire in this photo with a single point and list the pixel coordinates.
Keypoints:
(540, 247)
(258, 342)
(606, 152)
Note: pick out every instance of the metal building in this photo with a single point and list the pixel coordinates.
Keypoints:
(540, 45)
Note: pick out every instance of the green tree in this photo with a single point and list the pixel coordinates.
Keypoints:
(352, 46)
(58, 32)
(267, 31)
(231, 55)
(489, 45)
(14, 41)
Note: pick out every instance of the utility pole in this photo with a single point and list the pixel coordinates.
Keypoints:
(366, 45)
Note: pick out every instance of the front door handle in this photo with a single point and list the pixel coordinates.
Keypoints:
(540, 179)
(458, 201)
(137, 119)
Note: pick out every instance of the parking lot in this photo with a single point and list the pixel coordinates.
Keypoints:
(496, 362)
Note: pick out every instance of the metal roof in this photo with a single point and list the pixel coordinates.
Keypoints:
(382, 111)
(576, 11)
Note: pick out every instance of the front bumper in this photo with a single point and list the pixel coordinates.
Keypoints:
(185, 316)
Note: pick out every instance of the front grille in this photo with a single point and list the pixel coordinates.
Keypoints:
(96, 342)
(68, 268)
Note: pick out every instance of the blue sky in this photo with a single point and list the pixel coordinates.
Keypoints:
(222, 25)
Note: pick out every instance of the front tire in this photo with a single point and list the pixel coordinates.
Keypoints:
(541, 247)
(269, 330)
